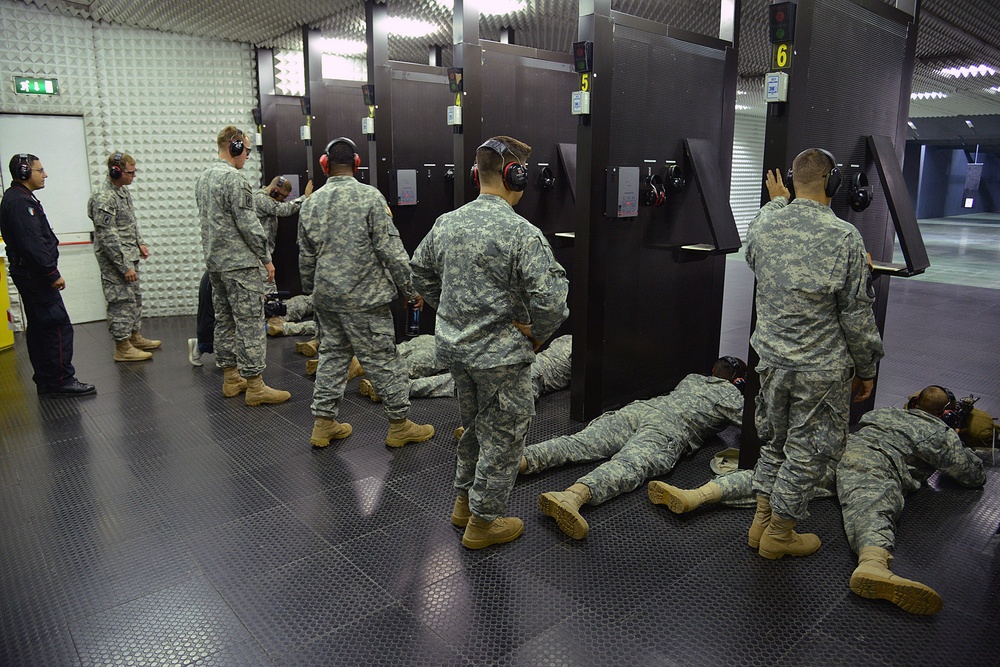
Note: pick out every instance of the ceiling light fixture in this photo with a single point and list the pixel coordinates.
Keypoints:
(403, 27)
(969, 123)
(496, 7)
(928, 96)
(912, 126)
(975, 70)
(343, 47)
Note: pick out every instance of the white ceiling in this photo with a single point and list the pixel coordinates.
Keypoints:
(951, 33)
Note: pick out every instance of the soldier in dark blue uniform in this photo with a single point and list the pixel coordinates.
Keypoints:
(33, 254)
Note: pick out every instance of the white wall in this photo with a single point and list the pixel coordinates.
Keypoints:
(748, 168)
(161, 97)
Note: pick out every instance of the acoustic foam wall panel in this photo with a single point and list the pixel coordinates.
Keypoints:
(162, 97)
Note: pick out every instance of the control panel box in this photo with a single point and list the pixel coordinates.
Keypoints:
(623, 192)
(367, 125)
(406, 187)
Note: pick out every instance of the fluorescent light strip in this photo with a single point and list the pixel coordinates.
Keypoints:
(928, 96)
(975, 70)
(495, 7)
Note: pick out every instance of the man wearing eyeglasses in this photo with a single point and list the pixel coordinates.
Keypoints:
(33, 256)
(118, 246)
(235, 247)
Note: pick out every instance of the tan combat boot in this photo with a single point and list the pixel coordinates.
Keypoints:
(326, 429)
(459, 432)
(403, 431)
(275, 326)
(780, 539)
(125, 351)
(873, 579)
(311, 366)
(480, 533)
(365, 388)
(308, 348)
(761, 520)
(354, 370)
(141, 343)
(564, 507)
(460, 514)
(680, 501)
(233, 384)
(258, 392)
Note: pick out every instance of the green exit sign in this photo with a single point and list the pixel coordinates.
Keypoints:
(26, 86)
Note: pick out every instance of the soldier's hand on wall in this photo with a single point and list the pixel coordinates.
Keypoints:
(144, 251)
(131, 276)
(775, 186)
(309, 188)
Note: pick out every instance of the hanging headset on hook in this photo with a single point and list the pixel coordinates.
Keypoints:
(860, 196)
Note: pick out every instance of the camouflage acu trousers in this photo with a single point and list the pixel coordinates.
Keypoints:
(435, 386)
(370, 336)
(124, 300)
(552, 368)
(802, 419)
(496, 408)
(299, 308)
(871, 500)
(636, 440)
(240, 337)
(737, 486)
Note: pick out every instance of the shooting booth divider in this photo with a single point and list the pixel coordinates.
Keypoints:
(648, 289)
(835, 42)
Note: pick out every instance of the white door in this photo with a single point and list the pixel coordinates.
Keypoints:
(60, 143)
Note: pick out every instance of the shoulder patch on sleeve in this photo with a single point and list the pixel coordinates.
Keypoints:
(31, 210)
(388, 210)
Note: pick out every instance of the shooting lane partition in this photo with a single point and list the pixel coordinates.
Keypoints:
(528, 98)
(282, 152)
(648, 289)
(834, 45)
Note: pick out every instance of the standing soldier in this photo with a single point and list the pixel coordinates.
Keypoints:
(815, 333)
(270, 205)
(354, 264)
(33, 256)
(235, 247)
(499, 293)
(119, 247)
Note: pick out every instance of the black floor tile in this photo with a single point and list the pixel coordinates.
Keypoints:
(175, 626)
(391, 636)
(161, 523)
(304, 600)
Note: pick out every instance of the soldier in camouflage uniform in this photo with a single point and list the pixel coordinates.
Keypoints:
(815, 332)
(269, 203)
(888, 457)
(642, 440)
(297, 320)
(354, 264)
(499, 293)
(118, 246)
(235, 248)
(429, 378)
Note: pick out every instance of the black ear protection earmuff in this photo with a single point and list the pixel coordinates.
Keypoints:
(546, 179)
(674, 181)
(860, 196)
(324, 159)
(653, 192)
(739, 370)
(115, 170)
(276, 191)
(514, 174)
(22, 170)
(834, 179)
(237, 144)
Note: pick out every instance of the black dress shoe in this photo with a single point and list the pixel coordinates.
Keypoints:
(72, 388)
